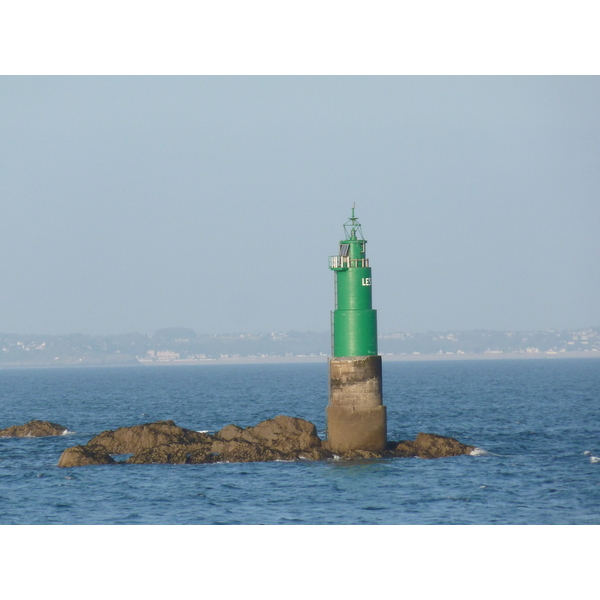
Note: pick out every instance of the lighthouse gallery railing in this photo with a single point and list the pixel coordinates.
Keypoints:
(344, 262)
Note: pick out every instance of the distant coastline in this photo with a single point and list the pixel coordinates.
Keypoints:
(263, 360)
(267, 360)
(181, 346)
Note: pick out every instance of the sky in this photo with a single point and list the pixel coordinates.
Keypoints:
(137, 203)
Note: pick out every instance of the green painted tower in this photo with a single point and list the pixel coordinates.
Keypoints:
(356, 417)
(354, 321)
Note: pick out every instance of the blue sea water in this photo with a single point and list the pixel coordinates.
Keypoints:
(538, 422)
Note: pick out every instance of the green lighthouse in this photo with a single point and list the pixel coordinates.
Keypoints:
(356, 417)
(354, 322)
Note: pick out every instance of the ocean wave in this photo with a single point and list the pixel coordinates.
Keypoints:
(67, 432)
(595, 459)
(479, 452)
(587, 453)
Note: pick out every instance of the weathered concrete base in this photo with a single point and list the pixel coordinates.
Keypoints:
(355, 381)
(356, 417)
(356, 429)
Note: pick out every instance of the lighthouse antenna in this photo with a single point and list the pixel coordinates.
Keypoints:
(352, 227)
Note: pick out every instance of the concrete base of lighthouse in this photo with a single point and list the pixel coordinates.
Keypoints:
(356, 417)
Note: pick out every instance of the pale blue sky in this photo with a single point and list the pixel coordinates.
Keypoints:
(135, 203)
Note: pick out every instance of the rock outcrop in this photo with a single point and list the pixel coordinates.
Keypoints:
(281, 438)
(286, 434)
(430, 445)
(81, 456)
(130, 440)
(34, 429)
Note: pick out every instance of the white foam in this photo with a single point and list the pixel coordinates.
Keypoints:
(587, 453)
(67, 432)
(479, 452)
(595, 459)
(204, 431)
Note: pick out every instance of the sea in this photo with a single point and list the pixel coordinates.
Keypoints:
(535, 423)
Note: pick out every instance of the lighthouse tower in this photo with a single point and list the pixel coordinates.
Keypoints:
(356, 417)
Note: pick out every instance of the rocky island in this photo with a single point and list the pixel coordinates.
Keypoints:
(282, 438)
